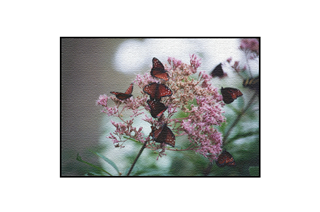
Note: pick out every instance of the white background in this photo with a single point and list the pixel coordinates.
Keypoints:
(30, 109)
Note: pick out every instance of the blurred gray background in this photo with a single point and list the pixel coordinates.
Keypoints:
(86, 72)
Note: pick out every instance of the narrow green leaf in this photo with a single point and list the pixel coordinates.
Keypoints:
(234, 109)
(92, 174)
(107, 160)
(97, 167)
(155, 173)
(243, 135)
(254, 170)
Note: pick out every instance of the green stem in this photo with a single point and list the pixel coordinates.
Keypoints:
(208, 169)
(135, 160)
(238, 118)
(247, 52)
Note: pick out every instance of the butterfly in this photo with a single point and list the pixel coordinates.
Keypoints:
(218, 71)
(158, 70)
(225, 159)
(163, 135)
(157, 108)
(252, 83)
(125, 95)
(230, 94)
(156, 91)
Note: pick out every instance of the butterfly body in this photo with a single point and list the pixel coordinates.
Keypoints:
(158, 70)
(230, 94)
(225, 159)
(156, 108)
(156, 91)
(125, 95)
(163, 135)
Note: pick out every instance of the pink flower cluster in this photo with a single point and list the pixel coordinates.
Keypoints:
(126, 129)
(193, 94)
(236, 65)
(251, 49)
(199, 125)
(195, 61)
(250, 45)
(110, 111)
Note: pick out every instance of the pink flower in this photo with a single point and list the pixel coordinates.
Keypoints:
(175, 63)
(200, 126)
(236, 66)
(194, 96)
(143, 80)
(110, 111)
(103, 99)
(250, 44)
(126, 129)
(195, 62)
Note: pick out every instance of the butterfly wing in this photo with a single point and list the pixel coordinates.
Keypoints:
(225, 159)
(151, 90)
(164, 91)
(169, 136)
(156, 133)
(156, 91)
(121, 96)
(126, 95)
(152, 131)
(160, 74)
(158, 70)
(157, 64)
(157, 108)
(164, 135)
(217, 71)
(130, 89)
(230, 94)
(252, 83)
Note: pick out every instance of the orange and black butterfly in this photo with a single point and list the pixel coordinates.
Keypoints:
(218, 71)
(225, 159)
(158, 70)
(125, 95)
(163, 135)
(156, 108)
(230, 94)
(252, 83)
(156, 91)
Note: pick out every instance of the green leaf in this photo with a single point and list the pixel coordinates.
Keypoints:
(92, 174)
(254, 170)
(107, 160)
(97, 167)
(154, 173)
(234, 109)
(180, 114)
(243, 135)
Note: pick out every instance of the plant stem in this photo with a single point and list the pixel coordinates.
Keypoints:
(247, 52)
(237, 119)
(135, 160)
(207, 170)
